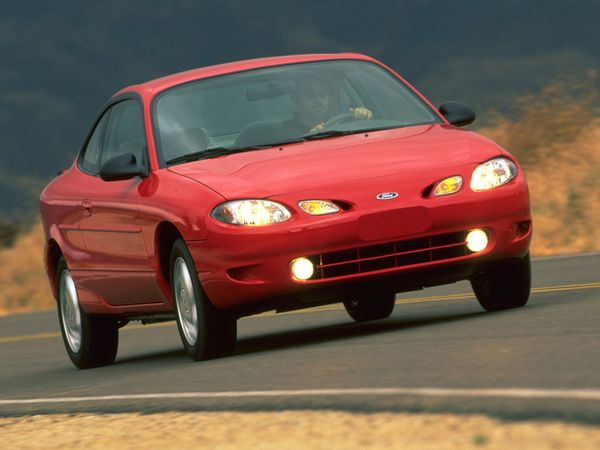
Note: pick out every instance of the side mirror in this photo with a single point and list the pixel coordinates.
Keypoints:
(122, 167)
(457, 113)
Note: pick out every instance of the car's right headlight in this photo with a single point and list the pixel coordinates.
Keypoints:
(251, 212)
(493, 173)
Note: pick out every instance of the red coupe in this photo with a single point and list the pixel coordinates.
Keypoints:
(276, 184)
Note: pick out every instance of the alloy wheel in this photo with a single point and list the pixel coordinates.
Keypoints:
(185, 299)
(70, 312)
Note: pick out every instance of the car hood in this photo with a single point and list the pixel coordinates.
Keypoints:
(425, 152)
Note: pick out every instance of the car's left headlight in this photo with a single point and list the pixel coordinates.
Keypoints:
(251, 212)
(493, 173)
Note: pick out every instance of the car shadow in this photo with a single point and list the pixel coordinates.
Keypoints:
(273, 341)
(343, 331)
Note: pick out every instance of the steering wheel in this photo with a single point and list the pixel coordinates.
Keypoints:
(340, 118)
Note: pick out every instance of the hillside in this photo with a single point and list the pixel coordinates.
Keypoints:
(556, 136)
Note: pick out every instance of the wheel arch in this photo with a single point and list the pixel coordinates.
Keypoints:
(165, 236)
(52, 256)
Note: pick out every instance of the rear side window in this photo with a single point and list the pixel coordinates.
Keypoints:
(125, 131)
(90, 159)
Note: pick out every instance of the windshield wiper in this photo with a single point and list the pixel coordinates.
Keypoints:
(203, 154)
(329, 133)
(335, 133)
(215, 152)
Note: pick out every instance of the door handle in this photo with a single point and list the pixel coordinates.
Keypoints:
(87, 207)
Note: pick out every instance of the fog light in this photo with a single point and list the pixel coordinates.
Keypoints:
(302, 269)
(477, 240)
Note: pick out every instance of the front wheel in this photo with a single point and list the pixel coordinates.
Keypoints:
(205, 331)
(371, 307)
(503, 285)
(90, 340)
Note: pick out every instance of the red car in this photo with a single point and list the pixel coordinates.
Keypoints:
(276, 184)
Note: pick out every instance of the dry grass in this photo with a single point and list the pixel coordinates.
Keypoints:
(22, 276)
(555, 135)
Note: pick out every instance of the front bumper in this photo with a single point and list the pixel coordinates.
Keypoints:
(248, 269)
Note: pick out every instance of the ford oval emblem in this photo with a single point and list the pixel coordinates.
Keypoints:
(387, 195)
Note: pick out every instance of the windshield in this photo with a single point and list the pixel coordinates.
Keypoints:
(283, 104)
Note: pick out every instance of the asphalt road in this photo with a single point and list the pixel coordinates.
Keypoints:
(438, 352)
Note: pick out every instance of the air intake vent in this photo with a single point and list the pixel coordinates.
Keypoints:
(390, 255)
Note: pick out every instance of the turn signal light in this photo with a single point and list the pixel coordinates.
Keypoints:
(318, 207)
(448, 186)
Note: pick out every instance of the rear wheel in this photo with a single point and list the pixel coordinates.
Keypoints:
(503, 285)
(205, 331)
(90, 340)
(371, 307)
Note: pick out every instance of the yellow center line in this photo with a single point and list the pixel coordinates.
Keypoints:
(567, 287)
(335, 307)
(436, 298)
(27, 337)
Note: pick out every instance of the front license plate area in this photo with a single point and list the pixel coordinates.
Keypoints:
(394, 223)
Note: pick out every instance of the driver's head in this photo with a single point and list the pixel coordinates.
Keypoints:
(312, 99)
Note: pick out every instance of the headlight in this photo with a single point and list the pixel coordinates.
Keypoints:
(318, 207)
(492, 174)
(251, 212)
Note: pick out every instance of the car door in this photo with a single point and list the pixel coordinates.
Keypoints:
(117, 259)
(67, 201)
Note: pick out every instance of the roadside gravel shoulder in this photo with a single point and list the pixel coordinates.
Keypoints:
(289, 429)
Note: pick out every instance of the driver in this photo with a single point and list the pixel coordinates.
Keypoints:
(314, 107)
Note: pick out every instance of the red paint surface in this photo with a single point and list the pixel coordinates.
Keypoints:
(107, 231)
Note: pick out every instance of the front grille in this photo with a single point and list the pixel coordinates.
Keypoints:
(390, 255)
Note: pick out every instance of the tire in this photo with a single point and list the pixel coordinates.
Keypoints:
(205, 332)
(503, 285)
(374, 307)
(90, 340)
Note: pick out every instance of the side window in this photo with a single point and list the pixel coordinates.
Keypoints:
(90, 159)
(125, 132)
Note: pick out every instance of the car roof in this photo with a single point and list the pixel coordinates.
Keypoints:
(159, 84)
